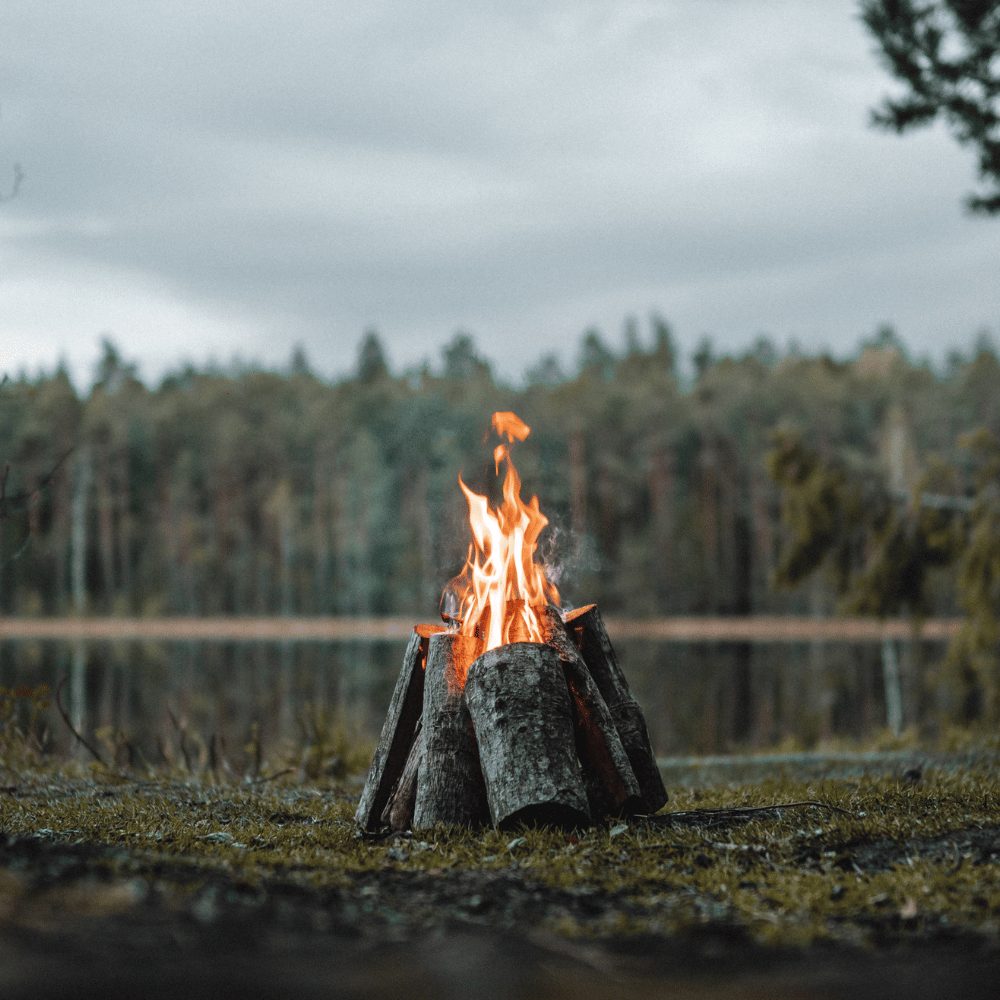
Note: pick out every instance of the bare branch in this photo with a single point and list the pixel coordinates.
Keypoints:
(69, 725)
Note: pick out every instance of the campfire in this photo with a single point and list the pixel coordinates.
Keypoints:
(511, 712)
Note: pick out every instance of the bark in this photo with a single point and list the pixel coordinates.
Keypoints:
(398, 811)
(591, 638)
(451, 789)
(612, 788)
(521, 712)
(398, 733)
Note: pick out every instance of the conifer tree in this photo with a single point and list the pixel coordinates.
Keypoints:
(945, 53)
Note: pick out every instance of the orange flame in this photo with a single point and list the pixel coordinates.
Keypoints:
(501, 585)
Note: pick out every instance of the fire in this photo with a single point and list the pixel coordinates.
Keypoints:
(501, 586)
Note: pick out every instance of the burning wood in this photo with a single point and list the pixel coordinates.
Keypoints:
(515, 713)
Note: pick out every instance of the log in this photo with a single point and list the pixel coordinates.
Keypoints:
(398, 811)
(450, 790)
(612, 788)
(521, 713)
(591, 638)
(398, 731)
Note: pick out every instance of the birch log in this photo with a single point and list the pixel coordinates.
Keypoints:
(521, 713)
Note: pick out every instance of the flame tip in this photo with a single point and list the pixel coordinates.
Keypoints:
(502, 586)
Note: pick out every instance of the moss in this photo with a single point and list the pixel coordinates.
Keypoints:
(905, 860)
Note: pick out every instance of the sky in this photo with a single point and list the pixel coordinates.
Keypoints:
(204, 181)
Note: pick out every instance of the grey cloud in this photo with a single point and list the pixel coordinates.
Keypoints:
(315, 167)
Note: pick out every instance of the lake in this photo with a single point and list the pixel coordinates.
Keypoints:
(205, 699)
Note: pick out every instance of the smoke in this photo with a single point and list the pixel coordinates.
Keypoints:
(567, 556)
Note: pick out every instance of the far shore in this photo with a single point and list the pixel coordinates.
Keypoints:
(762, 628)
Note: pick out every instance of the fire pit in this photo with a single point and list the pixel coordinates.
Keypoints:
(511, 712)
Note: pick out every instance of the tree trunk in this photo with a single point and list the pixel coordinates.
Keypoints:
(592, 640)
(83, 471)
(523, 721)
(612, 788)
(450, 790)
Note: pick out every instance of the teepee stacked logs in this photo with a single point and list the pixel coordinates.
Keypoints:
(525, 733)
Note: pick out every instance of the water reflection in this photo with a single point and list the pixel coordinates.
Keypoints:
(698, 697)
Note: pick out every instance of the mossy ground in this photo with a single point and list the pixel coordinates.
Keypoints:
(905, 859)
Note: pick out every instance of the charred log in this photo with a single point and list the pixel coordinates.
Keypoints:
(450, 789)
(398, 811)
(612, 788)
(591, 638)
(398, 731)
(523, 721)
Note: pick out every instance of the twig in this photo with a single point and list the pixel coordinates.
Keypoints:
(22, 499)
(271, 776)
(69, 725)
(257, 751)
(181, 740)
(714, 817)
(213, 756)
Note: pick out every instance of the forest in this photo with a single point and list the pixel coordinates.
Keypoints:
(240, 490)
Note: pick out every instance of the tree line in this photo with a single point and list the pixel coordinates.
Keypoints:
(248, 491)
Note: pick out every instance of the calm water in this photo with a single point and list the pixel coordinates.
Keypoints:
(698, 697)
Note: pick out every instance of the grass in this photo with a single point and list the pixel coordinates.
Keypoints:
(906, 859)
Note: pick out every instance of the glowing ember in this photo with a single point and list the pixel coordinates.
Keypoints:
(501, 586)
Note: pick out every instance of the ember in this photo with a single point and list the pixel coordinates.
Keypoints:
(516, 713)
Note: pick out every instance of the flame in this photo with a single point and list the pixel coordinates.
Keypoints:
(501, 585)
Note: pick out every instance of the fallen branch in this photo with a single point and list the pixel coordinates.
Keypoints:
(716, 817)
(269, 777)
(69, 725)
(181, 739)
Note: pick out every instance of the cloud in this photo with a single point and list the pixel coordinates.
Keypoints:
(248, 176)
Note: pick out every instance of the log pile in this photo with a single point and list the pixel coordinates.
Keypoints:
(525, 733)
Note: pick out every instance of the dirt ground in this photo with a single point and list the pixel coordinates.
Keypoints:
(877, 883)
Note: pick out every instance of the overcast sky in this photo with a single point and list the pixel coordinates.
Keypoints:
(210, 179)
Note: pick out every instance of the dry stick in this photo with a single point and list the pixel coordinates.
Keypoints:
(69, 725)
(213, 757)
(181, 741)
(270, 777)
(720, 815)
(161, 745)
(226, 765)
(20, 500)
(257, 752)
